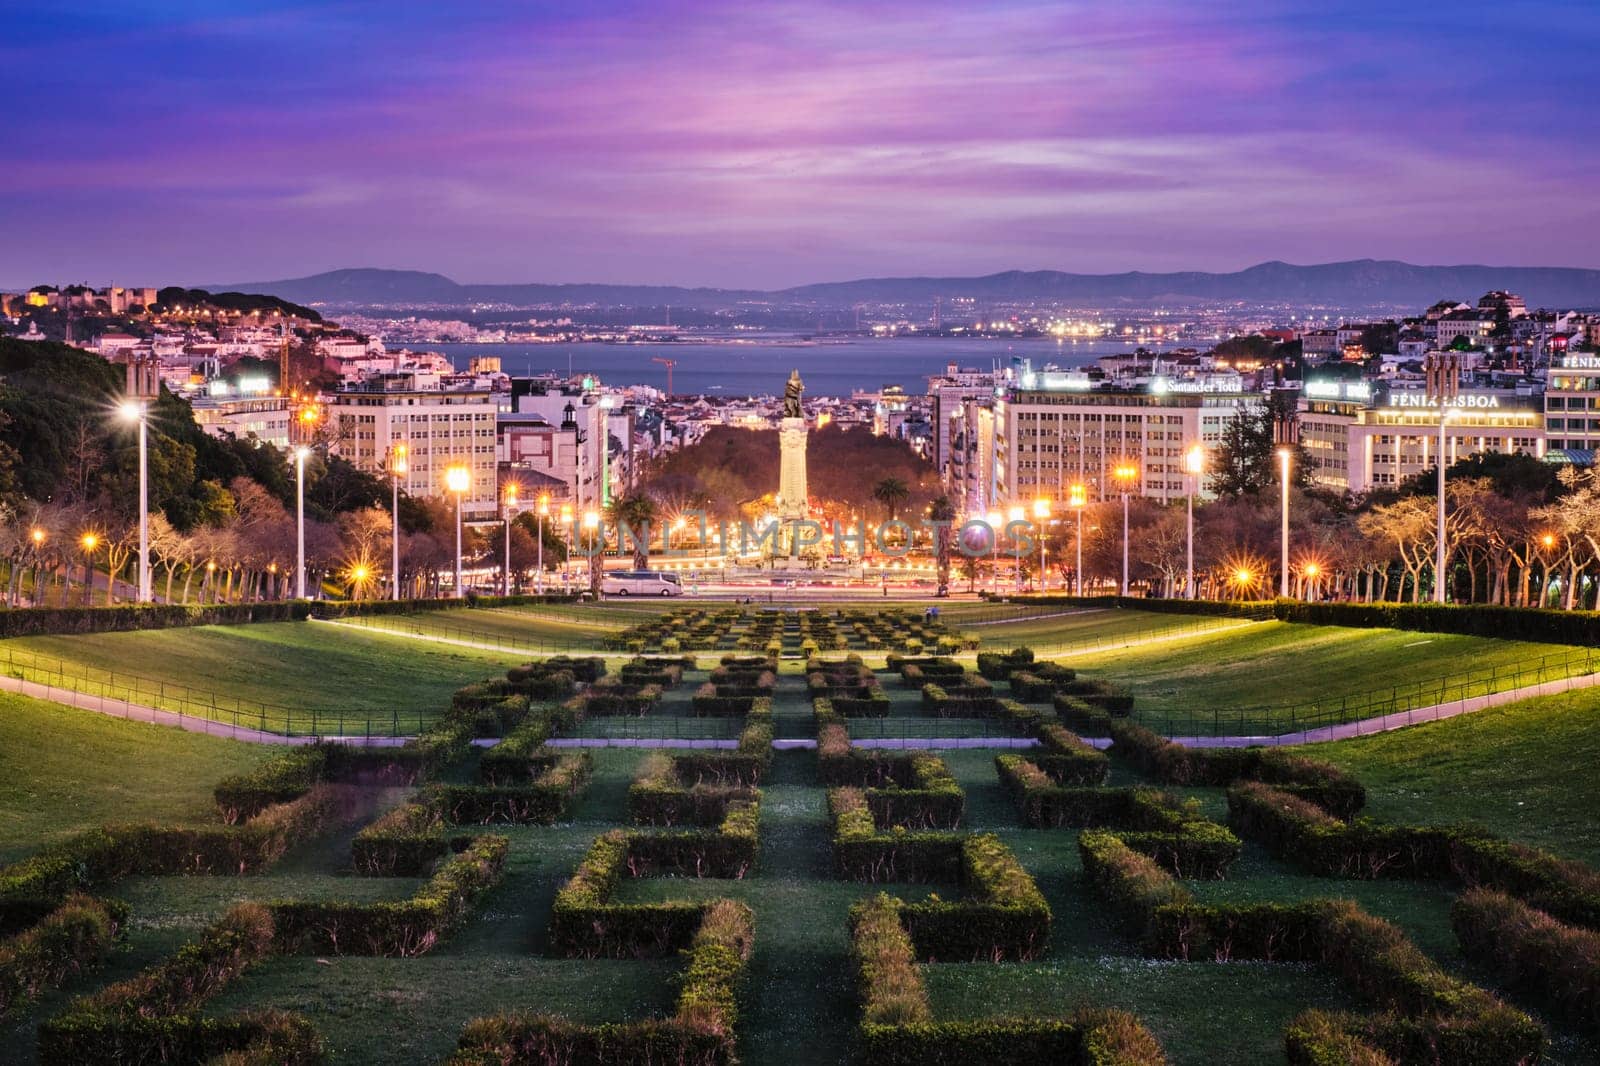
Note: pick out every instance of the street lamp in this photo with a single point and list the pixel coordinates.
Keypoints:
(1126, 474)
(511, 512)
(1312, 571)
(543, 512)
(398, 465)
(1549, 543)
(136, 411)
(993, 518)
(591, 523)
(90, 541)
(458, 479)
(1284, 455)
(1194, 462)
(566, 564)
(300, 522)
(1016, 514)
(1076, 498)
(1041, 514)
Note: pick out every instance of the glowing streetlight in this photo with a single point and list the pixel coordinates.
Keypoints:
(136, 411)
(1312, 571)
(567, 530)
(993, 519)
(1284, 455)
(399, 464)
(458, 479)
(300, 522)
(88, 542)
(1194, 462)
(1041, 517)
(544, 512)
(510, 513)
(1017, 514)
(591, 524)
(1126, 474)
(1076, 498)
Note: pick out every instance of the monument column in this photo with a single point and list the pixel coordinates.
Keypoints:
(791, 463)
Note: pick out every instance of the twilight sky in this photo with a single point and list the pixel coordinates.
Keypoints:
(755, 143)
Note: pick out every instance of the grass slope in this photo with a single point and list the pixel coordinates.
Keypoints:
(63, 769)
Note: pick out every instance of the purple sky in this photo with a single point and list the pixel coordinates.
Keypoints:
(769, 144)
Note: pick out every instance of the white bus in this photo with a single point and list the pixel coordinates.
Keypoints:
(640, 583)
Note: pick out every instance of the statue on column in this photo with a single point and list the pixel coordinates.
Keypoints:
(791, 395)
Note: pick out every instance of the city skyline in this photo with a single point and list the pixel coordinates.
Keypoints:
(707, 144)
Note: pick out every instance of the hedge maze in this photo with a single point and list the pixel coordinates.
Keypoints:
(867, 901)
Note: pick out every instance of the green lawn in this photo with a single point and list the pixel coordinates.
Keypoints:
(305, 675)
(63, 769)
(1526, 770)
(1277, 676)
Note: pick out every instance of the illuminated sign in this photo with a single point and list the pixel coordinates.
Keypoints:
(1581, 362)
(1337, 390)
(1474, 400)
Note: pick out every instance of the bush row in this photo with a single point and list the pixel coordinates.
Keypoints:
(931, 800)
(998, 666)
(610, 697)
(72, 939)
(1155, 823)
(1296, 829)
(1427, 1015)
(1529, 949)
(1067, 759)
(898, 1028)
(701, 1031)
(1311, 779)
(745, 765)
(99, 857)
(155, 1016)
(1040, 682)
(545, 800)
(659, 796)
(584, 923)
(406, 927)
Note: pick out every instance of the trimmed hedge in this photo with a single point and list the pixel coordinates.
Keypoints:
(1040, 682)
(1427, 1016)
(1298, 830)
(406, 842)
(998, 666)
(96, 858)
(405, 928)
(73, 939)
(1529, 949)
(155, 1016)
(546, 800)
(701, 1031)
(1067, 759)
(932, 799)
(1311, 779)
(584, 923)
(658, 796)
(609, 697)
(1159, 825)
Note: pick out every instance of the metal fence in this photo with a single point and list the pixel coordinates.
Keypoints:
(1416, 701)
(430, 627)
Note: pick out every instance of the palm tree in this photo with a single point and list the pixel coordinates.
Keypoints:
(892, 493)
(941, 513)
(638, 513)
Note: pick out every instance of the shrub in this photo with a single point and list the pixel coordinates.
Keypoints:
(405, 928)
(1067, 759)
(405, 842)
(546, 800)
(659, 796)
(70, 940)
(278, 780)
(931, 800)
(1529, 949)
(997, 666)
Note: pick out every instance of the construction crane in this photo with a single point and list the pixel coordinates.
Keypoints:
(669, 364)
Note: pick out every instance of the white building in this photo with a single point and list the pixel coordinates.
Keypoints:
(440, 428)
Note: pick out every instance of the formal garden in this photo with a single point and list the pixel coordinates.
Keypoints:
(725, 833)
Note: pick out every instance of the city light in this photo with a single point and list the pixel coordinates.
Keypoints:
(458, 479)
(89, 541)
(37, 536)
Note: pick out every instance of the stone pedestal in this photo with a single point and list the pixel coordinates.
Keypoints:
(792, 468)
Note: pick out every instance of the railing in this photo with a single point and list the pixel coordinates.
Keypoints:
(129, 695)
(1411, 700)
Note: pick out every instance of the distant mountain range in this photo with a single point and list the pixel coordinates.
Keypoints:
(1358, 283)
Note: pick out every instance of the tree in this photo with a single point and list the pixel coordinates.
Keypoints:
(638, 513)
(892, 493)
(1246, 462)
(942, 513)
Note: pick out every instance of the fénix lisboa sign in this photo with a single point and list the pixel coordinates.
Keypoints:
(1478, 401)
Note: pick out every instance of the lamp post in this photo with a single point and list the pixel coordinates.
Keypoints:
(458, 479)
(1017, 514)
(1284, 456)
(1126, 474)
(591, 523)
(137, 411)
(1041, 514)
(543, 512)
(36, 535)
(1076, 499)
(1548, 541)
(300, 523)
(1195, 463)
(993, 518)
(90, 542)
(398, 465)
(510, 513)
(1312, 571)
(1443, 371)
(566, 564)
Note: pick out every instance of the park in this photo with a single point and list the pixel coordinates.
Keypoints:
(513, 831)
